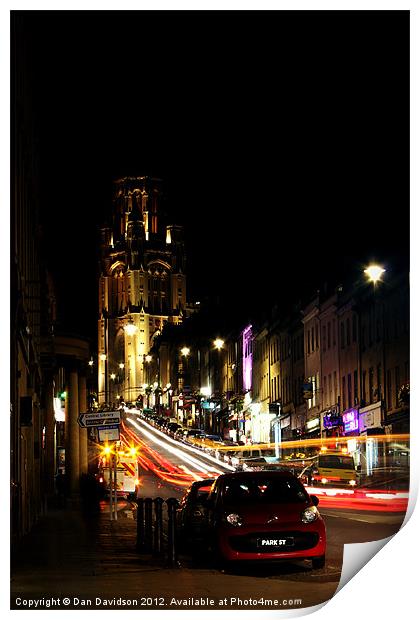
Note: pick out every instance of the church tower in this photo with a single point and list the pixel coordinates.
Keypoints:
(142, 286)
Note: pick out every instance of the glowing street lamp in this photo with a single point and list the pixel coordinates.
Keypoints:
(205, 391)
(102, 357)
(219, 343)
(121, 365)
(374, 273)
(90, 362)
(185, 351)
(130, 329)
(113, 375)
(148, 358)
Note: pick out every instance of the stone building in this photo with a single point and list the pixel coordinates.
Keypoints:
(142, 286)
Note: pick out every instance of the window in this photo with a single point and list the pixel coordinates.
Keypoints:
(342, 334)
(312, 338)
(348, 332)
(329, 334)
(349, 393)
(370, 385)
(324, 338)
(354, 328)
(333, 332)
(316, 336)
(355, 388)
(309, 341)
(325, 390)
(397, 384)
(330, 390)
(343, 393)
(379, 382)
(389, 389)
(364, 387)
(335, 387)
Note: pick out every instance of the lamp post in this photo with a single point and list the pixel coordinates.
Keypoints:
(374, 273)
(219, 343)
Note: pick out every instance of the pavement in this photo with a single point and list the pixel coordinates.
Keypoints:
(75, 560)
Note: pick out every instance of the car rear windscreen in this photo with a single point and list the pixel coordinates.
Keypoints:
(264, 490)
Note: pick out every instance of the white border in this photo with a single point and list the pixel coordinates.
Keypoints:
(387, 585)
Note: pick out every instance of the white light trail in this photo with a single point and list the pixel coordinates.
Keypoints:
(189, 448)
(176, 451)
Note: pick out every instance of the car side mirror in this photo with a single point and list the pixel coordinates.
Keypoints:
(315, 500)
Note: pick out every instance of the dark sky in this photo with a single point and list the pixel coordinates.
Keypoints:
(282, 139)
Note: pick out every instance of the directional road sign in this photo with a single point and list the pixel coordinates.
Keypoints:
(98, 418)
(110, 432)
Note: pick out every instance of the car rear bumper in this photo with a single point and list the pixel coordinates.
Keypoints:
(308, 542)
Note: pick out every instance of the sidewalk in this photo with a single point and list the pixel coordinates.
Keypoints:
(85, 559)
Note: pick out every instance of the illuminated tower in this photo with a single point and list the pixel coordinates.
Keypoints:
(142, 286)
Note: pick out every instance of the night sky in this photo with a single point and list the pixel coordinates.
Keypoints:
(282, 139)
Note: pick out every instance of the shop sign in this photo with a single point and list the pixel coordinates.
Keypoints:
(350, 420)
(285, 422)
(370, 417)
(312, 424)
(332, 418)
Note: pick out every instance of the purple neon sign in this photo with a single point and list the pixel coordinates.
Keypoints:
(247, 358)
(350, 420)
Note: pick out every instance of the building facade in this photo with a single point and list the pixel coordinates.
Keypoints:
(142, 286)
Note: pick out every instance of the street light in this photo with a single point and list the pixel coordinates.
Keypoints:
(130, 329)
(374, 273)
(121, 365)
(219, 343)
(185, 351)
(102, 357)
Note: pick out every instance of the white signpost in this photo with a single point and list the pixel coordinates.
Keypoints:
(98, 418)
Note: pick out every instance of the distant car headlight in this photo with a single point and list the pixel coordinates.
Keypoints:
(310, 514)
(352, 483)
(234, 519)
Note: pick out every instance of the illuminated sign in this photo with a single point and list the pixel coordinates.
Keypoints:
(350, 420)
(312, 424)
(247, 358)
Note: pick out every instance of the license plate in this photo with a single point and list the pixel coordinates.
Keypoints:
(275, 543)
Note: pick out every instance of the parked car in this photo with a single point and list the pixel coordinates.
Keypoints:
(191, 513)
(172, 428)
(257, 516)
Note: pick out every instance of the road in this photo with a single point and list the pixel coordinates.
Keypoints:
(85, 560)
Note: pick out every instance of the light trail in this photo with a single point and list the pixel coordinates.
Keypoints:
(186, 447)
(176, 451)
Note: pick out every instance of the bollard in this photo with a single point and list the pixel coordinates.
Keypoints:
(148, 524)
(158, 534)
(140, 525)
(172, 504)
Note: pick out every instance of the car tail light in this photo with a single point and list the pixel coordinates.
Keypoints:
(310, 514)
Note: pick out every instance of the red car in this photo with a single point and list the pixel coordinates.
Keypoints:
(263, 515)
